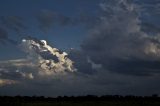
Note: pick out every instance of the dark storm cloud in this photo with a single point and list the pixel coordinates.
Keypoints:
(150, 16)
(3, 35)
(119, 44)
(14, 23)
(150, 28)
(81, 62)
(134, 66)
(118, 57)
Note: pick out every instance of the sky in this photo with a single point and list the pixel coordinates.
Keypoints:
(79, 47)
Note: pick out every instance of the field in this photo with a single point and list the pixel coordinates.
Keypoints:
(80, 101)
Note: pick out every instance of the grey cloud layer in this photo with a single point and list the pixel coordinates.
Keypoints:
(4, 38)
(48, 19)
(119, 44)
(15, 23)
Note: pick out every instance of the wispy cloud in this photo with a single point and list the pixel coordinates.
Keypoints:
(4, 37)
(15, 23)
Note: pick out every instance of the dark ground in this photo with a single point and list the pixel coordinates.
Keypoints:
(89, 100)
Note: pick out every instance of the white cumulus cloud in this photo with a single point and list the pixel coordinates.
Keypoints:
(50, 60)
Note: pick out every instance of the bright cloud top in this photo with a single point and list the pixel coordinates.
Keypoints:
(42, 61)
(50, 60)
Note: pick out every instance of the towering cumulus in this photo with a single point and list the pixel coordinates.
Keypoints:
(49, 60)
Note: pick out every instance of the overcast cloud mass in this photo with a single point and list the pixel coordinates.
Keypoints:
(114, 49)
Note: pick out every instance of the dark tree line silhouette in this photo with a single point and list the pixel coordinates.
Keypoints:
(77, 98)
(109, 100)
